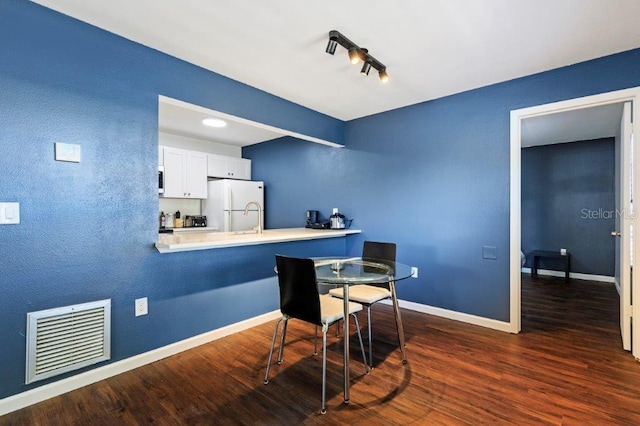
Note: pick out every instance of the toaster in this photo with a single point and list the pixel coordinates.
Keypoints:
(198, 221)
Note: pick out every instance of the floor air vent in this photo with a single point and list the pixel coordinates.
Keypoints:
(65, 339)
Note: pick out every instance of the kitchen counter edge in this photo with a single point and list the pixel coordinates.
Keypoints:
(168, 243)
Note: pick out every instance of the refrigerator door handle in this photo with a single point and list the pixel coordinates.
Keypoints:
(227, 203)
(227, 196)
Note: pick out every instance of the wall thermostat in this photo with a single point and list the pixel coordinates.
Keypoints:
(68, 152)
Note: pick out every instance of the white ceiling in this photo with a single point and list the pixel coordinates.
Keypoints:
(572, 126)
(183, 119)
(432, 48)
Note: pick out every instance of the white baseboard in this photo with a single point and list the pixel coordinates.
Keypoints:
(456, 316)
(33, 396)
(576, 275)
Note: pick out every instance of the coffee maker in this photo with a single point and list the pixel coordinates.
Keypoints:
(313, 220)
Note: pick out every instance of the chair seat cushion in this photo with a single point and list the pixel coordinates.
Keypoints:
(332, 309)
(367, 294)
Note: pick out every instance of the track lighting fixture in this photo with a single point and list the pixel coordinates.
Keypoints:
(356, 54)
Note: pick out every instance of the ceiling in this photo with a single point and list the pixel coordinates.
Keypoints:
(571, 126)
(180, 118)
(432, 48)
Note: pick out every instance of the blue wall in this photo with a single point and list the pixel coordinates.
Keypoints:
(87, 230)
(568, 201)
(434, 178)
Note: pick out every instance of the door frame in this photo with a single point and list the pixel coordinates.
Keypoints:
(627, 95)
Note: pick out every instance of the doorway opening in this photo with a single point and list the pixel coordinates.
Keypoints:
(559, 111)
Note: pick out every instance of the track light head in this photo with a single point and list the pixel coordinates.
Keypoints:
(331, 46)
(356, 54)
(384, 77)
(366, 67)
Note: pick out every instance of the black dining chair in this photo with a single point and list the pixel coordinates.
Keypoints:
(366, 294)
(300, 299)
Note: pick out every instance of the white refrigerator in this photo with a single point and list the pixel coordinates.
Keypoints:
(226, 201)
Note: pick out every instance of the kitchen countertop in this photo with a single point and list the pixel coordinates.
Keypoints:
(169, 243)
(191, 229)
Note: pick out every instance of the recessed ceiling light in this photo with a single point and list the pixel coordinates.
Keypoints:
(214, 122)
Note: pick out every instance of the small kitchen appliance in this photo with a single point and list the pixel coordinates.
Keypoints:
(336, 220)
(197, 221)
(313, 220)
(160, 179)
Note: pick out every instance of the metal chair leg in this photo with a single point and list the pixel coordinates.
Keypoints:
(370, 340)
(315, 341)
(282, 336)
(273, 343)
(364, 357)
(323, 410)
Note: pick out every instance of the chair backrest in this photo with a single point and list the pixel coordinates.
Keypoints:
(299, 297)
(380, 251)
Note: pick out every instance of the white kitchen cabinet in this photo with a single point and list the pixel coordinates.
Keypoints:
(239, 168)
(222, 166)
(185, 173)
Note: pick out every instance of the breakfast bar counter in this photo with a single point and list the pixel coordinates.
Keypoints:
(170, 243)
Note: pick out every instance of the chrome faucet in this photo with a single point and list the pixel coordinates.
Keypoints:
(246, 212)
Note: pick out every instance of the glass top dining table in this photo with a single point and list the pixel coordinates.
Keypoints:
(347, 271)
(357, 270)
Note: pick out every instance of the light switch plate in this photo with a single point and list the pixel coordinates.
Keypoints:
(68, 152)
(9, 213)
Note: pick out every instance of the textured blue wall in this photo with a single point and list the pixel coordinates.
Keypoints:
(568, 201)
(87, 230)
(434, 178)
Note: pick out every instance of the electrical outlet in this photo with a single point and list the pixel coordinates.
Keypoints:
(9, 213)
(414, 272)
(141, 307)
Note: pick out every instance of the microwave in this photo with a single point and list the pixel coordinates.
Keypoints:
(160, 179)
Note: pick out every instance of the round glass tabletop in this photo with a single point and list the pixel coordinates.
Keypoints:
(356, 270)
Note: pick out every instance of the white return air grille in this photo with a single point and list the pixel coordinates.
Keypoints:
(65, 339)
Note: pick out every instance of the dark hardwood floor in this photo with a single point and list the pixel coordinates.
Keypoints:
(566, 367)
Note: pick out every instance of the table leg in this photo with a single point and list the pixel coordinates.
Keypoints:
(396, 311)
(346, 342)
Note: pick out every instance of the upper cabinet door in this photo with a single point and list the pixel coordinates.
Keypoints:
(196, 175)
(174, 171)
(222, 166)
(239, 168)
(217, 166)
(185, 173)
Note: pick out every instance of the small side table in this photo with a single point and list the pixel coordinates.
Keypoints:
(537, 254)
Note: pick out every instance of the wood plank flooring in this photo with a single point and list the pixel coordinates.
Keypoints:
(566, 367)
